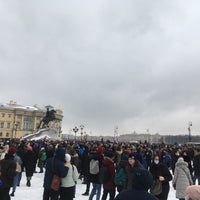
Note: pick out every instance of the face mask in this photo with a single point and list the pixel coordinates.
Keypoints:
(156, 161)
(186, 198)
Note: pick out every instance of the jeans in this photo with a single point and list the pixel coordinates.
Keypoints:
(96, 189)
(15, 182)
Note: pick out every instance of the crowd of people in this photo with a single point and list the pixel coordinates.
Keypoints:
(115, 170)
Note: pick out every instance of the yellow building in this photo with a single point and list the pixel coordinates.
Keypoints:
(17, 120)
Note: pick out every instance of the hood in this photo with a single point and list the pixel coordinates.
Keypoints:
(142, 179)
(60, 154)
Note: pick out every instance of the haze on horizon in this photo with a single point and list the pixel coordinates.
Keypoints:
(133, 64)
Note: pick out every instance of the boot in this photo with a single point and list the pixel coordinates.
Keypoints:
(12, 194)
(86, 194)
(28, 183)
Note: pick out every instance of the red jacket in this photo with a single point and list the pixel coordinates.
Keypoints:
(110, 184)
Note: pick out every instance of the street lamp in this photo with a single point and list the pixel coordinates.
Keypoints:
(81, 127)
(75, 129)
(116, 134)
(16, 125)
(189, 131)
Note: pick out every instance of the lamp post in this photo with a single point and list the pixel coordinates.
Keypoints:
(16, 125)
(189, 131)
(81, 127)
(116, 134)
(75, 129)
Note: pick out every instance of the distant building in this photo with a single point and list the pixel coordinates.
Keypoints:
(17, 120)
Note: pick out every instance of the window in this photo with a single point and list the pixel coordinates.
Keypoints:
(9, 115)
(1, 124)
(1, 134)
(8, 125)
(3, 114)
(7, 134)
(27, 122)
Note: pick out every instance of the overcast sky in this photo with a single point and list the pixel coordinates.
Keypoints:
(132, 64)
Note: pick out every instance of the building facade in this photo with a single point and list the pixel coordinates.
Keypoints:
(17, 121)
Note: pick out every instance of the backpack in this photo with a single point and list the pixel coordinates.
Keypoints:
(43, 156)
(94, 166)
(104, 174)
(120, 176)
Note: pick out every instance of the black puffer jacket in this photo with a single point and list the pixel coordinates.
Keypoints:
(8, 171)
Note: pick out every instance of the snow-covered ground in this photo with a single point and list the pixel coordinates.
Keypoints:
(36, 190)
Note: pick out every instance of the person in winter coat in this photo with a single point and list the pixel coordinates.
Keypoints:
(175, 156)
(182, 178)
(109, 187)
(29, 164)
(161, 172)
(133, 164)
(120, 176)
(187, 159)
(94, 177)
(68, 182)
(18, 162)
(42, 159)
(7, 173)
(192, 192)
(141, 181)
(55, 165)
(196, 166)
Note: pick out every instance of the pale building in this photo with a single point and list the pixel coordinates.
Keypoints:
(17, 120)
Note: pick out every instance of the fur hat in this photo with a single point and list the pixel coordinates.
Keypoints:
(193, 192)
(67, 157)
(142, 179)
(12, 151)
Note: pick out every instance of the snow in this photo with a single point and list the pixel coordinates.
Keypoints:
(36, 190)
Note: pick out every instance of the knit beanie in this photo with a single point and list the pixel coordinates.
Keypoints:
(67, 157)
(12, 151)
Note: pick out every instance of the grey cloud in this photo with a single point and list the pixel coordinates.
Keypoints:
(133, 64)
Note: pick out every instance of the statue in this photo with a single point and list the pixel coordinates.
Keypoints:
(50, 116)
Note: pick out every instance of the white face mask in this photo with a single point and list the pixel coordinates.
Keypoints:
(186, 198)
(156, 161)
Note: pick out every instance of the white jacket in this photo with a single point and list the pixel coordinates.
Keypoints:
(71, 178)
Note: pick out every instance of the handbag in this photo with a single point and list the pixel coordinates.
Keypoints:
(156, 188)
(56, 180)
(55, 184)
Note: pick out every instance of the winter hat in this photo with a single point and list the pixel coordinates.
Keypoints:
(132, 155)
(180, 159)
(142, 179)
(29, 148)
(193, 192)
(109, 154)
(67, 157)
(12, 151)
